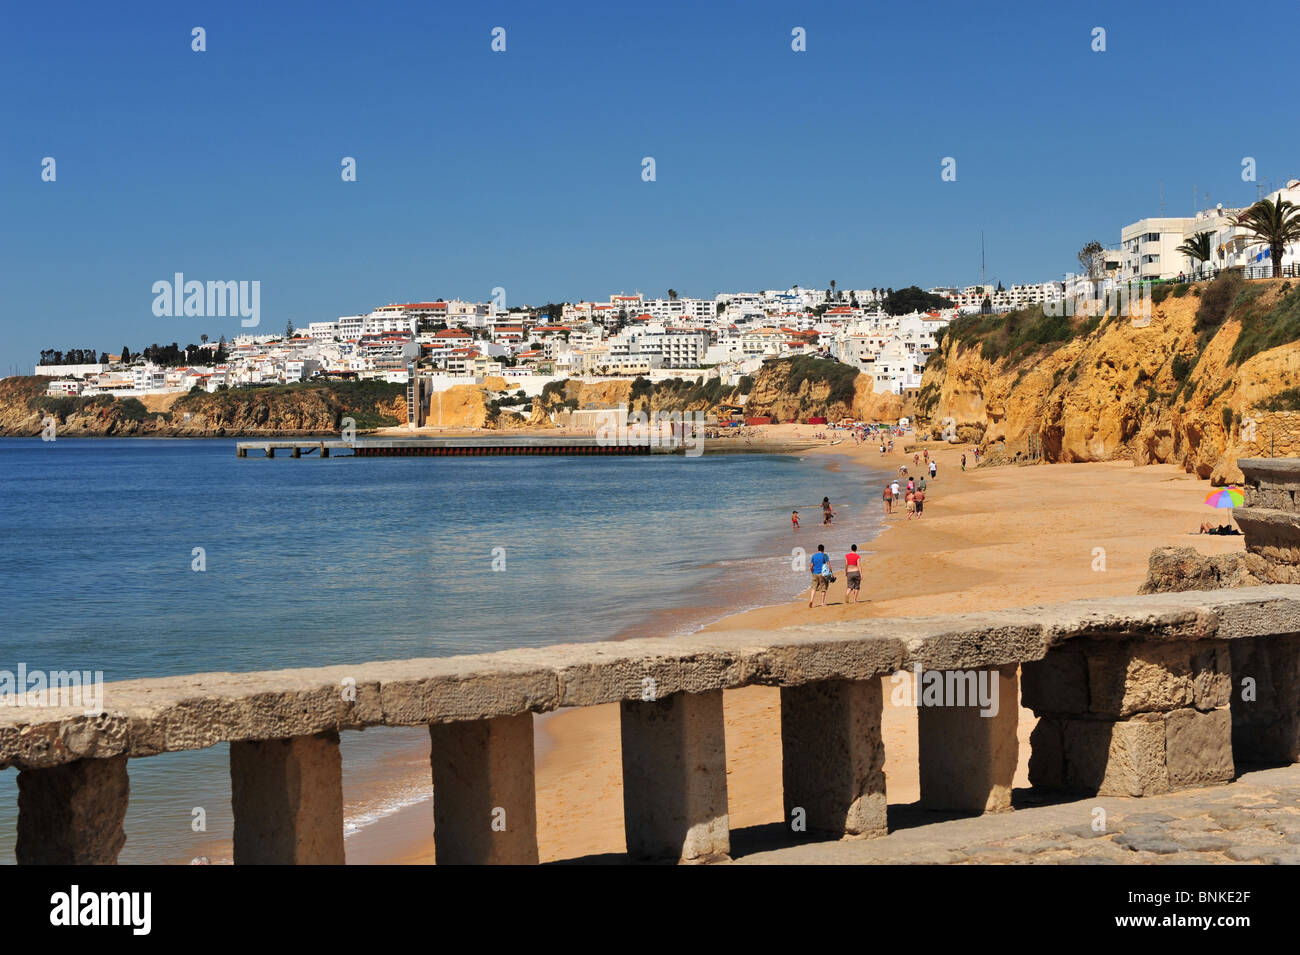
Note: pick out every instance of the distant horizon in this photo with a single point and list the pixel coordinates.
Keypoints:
(524, 168)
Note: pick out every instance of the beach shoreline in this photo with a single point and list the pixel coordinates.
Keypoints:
(990, 538)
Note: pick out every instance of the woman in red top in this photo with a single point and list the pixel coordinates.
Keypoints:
(853, 575)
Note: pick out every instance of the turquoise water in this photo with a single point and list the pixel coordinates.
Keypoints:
(312, 562)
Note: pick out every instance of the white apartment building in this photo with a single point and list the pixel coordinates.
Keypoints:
(1149, 248)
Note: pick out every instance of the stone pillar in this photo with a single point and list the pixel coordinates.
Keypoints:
(484, 791)
(675, 778)
(287, 798)
(72, 814)
(833, 757)
(1130, 717)
(968, 752)
(1266, 699)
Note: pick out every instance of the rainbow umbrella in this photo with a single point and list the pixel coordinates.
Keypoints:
(1226, 497)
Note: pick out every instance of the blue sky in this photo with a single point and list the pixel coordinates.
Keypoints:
(522, 169)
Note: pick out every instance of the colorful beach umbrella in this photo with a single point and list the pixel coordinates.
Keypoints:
(1226, 497)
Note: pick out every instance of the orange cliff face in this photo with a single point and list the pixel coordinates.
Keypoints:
(1124, 390)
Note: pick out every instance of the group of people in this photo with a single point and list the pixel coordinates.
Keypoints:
(823, 576)
(912, 496)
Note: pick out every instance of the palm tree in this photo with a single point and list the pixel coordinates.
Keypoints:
(833, 288)
(1197, 248)
(672, 294)
(1276, 224)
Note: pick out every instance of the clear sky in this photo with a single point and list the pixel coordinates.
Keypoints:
(523, 169)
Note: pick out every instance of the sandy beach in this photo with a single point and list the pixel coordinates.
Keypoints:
(990, 538)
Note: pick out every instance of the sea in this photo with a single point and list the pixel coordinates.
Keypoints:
(160, 557)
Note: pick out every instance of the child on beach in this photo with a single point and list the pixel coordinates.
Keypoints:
(794, 519)
(852, 575)
(827, 513)
(963, 462)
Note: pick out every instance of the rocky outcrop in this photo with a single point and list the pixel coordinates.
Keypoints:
(1171, 569)
(313, 409)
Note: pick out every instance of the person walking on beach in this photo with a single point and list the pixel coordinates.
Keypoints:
(926, 454)
(911, 484)
(827, 514)
(963, 462)
(894, 488)
(933, 469)
(820, 565)
(852, 575)
(919, 499)
(916, 460)
(889, 500)
(911, 504)
(794, 519)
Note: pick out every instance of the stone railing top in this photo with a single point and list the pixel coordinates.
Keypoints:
(1276, 471)
(151, 716)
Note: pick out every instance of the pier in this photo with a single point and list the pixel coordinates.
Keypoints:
(449, 447)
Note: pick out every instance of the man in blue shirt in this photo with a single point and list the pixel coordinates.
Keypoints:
(821, 574)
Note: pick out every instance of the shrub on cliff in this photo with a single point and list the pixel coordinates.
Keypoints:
(1216, 301)
(1016, 333)
(838, 377)
(1262, 329)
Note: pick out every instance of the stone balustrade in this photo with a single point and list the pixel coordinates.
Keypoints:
(1136, 695)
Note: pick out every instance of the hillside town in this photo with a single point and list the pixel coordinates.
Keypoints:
(884, 333)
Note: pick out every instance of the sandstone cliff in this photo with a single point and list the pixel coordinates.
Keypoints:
(1194, 387)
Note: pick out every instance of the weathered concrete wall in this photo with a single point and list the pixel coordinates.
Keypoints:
(1130, 717)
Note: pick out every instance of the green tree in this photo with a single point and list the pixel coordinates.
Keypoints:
(1275, 224)
(288, 329)
(672, 294)
(912, 299)
(1197, 248)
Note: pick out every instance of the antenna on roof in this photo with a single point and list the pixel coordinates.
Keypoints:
(1162, 198)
